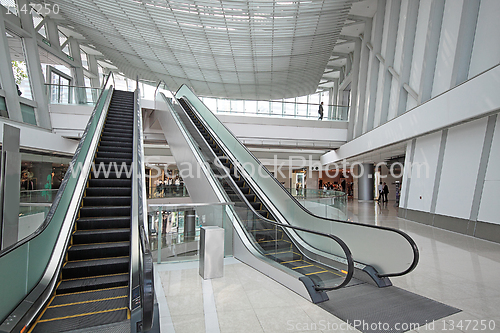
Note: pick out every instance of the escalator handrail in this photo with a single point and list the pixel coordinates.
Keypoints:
(412, 243)
(64, 182)
(139, 207)
(342, 244)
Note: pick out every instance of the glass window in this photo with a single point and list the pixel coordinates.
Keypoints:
(301, 106)
(211, 103)
(263, 107)
(19, 69)
(313, 106)
(289, 106)
(277, 107)
(237, 106)
(85, 62)
(251, 107)
(223, 105)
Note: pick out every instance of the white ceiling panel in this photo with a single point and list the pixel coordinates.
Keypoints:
(255, 49)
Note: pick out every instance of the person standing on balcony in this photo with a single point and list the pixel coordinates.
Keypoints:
(320, 111)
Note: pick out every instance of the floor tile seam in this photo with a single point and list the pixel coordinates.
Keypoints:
(163, 304)
(209, 307)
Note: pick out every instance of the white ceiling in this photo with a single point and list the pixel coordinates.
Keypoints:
(254, 49)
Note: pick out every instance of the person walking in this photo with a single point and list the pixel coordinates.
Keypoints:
(386, 191)
(320, 111)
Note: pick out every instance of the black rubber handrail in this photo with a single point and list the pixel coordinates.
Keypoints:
(412, 243)
(64, 182)
(343, 245)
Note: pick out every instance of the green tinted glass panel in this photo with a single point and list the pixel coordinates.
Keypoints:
(28, 113)
(13, 279)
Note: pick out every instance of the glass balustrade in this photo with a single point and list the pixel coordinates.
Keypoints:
(174, 229)
(63, 94)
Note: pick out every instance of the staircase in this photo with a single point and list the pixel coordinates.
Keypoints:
(93, 287)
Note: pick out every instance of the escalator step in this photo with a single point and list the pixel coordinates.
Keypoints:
(89, 295)
(73, 323)
(119, 161)
(87, 268)
(107, 172)
(110, 182)
(113, 154)
(110, 222)
(94, 283)
(256, 205)
(106, 201)
(276, 245)
(101, 236)
(78, 309)
(115, 149)
(94, 251)
(108, 191)
(240, 183)
(284, 256)
(106, 143)
(104, 211)
(109, 137)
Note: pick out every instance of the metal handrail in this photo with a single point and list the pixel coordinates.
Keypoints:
(345, 248)
(412, 243)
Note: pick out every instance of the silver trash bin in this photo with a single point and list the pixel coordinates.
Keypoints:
(211, 252)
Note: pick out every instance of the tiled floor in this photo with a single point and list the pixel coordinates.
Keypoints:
(457, 270)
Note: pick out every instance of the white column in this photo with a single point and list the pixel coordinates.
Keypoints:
(7, 77)
(374, 67)
(354, 85)
(407, 56)
(52, 33)
(431, 50)
(363, 73)
(34, 67)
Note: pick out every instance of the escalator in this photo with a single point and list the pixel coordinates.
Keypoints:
(272, 240)
(93, 289)
(274, 233)
(88, 267)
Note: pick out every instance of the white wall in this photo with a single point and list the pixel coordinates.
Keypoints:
(443, 50)
(486, 51)
(424, 162)
(447, 46)
(489, 209)
(460, 168)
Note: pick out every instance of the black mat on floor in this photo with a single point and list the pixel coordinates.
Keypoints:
(390, 309)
